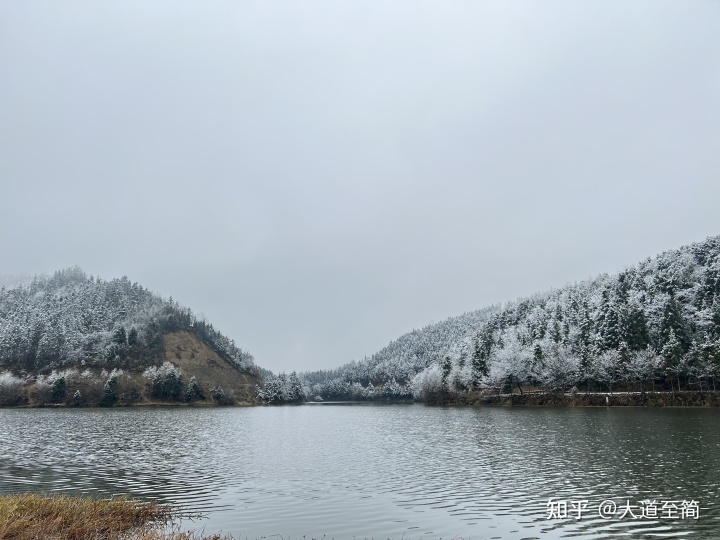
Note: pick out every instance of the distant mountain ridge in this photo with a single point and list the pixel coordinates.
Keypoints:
(655, 324)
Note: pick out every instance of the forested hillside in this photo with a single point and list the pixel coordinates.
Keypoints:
(57, 325)
(388, 372)
(653, 325)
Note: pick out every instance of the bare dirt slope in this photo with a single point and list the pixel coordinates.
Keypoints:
(185, 350)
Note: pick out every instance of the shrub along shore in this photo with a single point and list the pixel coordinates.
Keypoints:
(34, 516)
(583, 399)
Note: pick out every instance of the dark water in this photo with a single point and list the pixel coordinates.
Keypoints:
(381, 471)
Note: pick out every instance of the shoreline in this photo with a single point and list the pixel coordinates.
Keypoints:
(143, 405)
(686, 398)
(689, 399)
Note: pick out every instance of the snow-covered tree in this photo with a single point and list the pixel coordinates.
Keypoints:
(167, 381)
(194, 391)
(608, 368)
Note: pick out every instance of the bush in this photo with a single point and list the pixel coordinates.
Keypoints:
(59, 390)
(41, 391)
(92, 391)
(127, 391)
(222, 397)
(77, 399)
(12, 390)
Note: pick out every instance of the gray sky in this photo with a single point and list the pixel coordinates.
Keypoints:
(319, 177)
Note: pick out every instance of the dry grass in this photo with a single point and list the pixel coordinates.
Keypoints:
(36, 517)
(195, 357)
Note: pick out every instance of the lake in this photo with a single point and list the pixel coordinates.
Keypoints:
(384, 471)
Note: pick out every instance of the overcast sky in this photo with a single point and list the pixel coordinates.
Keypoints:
(319, 177)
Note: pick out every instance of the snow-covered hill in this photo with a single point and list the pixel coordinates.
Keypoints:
(71, 319)
(654, 324)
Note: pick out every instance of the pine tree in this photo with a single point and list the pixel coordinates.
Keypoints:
(132, 339)
(272, 391)
(119, 336)
(284, 388)
(194, 391)
(673, 323)
(672, 353)
(586, 327)
(296, 393)
(638, 336)
(109, 396)
(610, 330)
(480, 368)
(446, 369)
(59, 390)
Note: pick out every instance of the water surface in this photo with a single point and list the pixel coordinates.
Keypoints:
(379, 471)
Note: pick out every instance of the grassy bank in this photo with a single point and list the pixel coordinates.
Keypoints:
(34, 517)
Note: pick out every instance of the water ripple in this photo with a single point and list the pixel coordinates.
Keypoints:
(379, 471)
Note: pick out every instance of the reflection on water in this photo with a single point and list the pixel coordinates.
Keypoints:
(379, 471)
